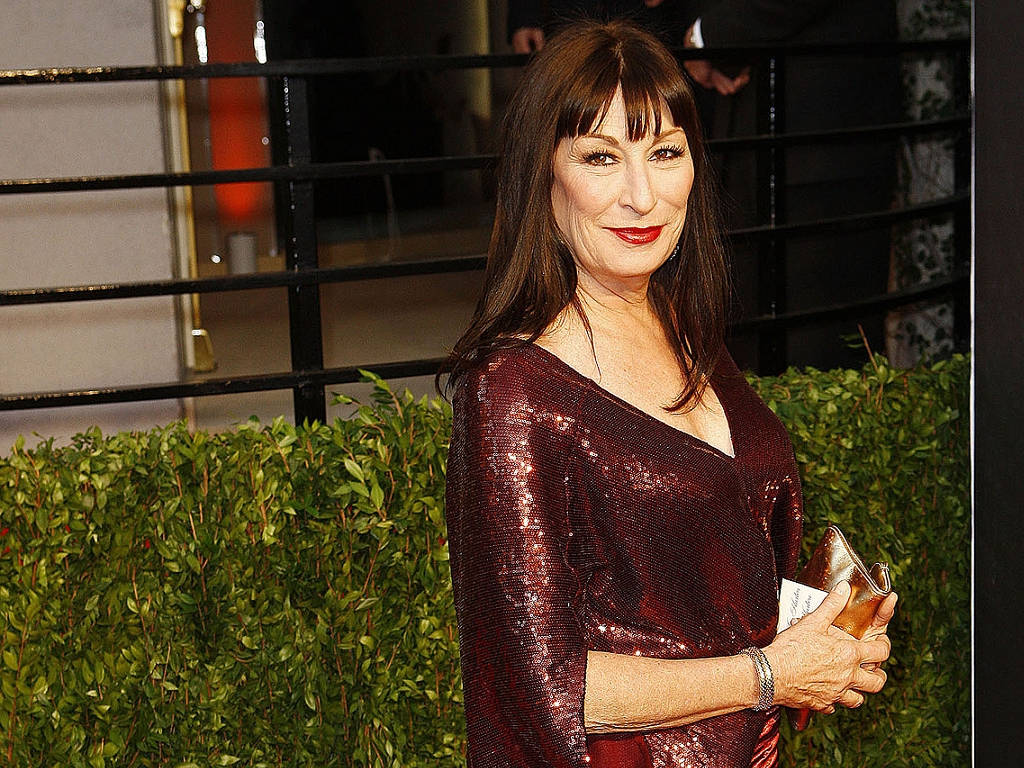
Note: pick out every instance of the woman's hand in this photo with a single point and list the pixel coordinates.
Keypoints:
(817, 666)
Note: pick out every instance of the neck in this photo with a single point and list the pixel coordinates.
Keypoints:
(616, 320)
(622, 302)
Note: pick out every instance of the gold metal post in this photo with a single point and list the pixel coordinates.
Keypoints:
(202, 346)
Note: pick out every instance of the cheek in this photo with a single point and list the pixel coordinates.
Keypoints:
(681, 187)
(559, 204)
(578, 196)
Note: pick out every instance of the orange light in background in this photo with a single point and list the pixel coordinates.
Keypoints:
(238, 115)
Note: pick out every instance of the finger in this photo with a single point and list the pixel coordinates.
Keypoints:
(851, 699)
(732, 84)
(831, 606)
(869, 681)
(875, 651)
(885, 612)
(527, 39)
(888, 643)
(725, 85)
(722, 83)
(741, 79)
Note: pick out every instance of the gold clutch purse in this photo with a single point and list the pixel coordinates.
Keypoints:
(833, 562)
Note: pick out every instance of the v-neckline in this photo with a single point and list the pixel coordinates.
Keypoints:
(626, 405)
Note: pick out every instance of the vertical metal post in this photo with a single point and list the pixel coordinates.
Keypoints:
(304, 321)
(771, 179)
(962, 217)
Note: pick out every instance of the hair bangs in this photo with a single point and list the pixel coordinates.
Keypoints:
(644, 104)
(649, 88)
(588, 100)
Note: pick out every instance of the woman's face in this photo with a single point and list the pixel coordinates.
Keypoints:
(620, 204)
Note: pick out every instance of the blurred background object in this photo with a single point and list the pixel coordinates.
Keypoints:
(337, 203)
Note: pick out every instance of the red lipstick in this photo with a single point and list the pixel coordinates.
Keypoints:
(637, 235)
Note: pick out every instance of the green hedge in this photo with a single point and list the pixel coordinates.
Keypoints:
(884, 454)
(279, 596)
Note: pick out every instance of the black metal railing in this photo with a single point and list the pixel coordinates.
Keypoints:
(303, 276)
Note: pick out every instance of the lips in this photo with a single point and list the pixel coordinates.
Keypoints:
(636, 235)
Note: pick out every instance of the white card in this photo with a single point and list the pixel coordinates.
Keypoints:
(797, 600)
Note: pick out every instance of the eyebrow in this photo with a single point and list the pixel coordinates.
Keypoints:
(615, 142)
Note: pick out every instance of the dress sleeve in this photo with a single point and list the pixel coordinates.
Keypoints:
(787, 521)
(522, 650)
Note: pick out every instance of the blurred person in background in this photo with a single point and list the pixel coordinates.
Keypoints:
(819, 180)
(530, 22)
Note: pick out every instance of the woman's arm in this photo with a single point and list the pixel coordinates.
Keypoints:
(636, 693)
(815, 666)
(523, 652)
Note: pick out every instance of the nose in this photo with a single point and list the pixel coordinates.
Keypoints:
(637, 192)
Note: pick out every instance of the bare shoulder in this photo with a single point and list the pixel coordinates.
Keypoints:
(570, 343)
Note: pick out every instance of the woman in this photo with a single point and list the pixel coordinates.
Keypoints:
(620, 504)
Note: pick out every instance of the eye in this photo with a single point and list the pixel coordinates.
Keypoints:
(670, 152)
(598, 158)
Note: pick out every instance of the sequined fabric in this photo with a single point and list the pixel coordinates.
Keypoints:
(577, 522)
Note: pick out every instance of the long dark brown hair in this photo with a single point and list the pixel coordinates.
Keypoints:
(531, 277)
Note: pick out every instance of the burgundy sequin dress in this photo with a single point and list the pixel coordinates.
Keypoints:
(577, 522)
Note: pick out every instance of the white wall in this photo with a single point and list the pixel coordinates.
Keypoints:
(83, 238)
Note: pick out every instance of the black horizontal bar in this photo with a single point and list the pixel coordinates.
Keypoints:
(858, 221)
(289, 68)
(841, 135)
(427, 367)
(221, 386)
(321, 171)
(878, 302)
(762, 51)
(21, 296)
(311, 171)
(314, 67)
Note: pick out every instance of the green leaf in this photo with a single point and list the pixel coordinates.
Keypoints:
(355, 470)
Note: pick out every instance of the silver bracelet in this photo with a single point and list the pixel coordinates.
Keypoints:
(765, 679)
